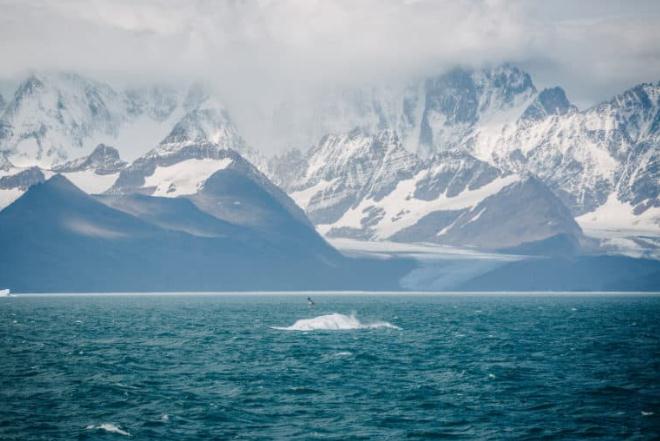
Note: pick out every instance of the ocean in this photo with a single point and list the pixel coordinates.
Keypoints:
(353, 367)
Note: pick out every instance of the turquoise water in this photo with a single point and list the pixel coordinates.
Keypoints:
(415, 367)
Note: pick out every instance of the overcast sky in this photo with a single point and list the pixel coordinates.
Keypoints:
(593, 48)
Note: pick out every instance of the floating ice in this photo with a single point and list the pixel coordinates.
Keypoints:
(334, 322)
(108, 427)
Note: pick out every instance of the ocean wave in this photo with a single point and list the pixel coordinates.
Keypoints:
(108, 427)
(334, 322)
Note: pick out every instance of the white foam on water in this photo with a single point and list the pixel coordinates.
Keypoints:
(108, 427)
(334, 322)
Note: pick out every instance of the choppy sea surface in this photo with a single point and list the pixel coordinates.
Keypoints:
(248, 367)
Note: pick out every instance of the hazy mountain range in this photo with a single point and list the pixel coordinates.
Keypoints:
(476, 159)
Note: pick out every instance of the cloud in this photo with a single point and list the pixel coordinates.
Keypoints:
(318, 41)
(262, 50)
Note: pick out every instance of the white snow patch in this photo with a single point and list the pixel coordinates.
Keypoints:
(620, 231)
(184, 178)
(477, 216)
(303, 197)
(617, 215)
(402, 199)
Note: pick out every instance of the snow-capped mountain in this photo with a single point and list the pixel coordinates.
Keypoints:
(369, 187)
(207, 123)
(417, 162)
(94, 173)
(344, 169)
(14, 181)
(607, 152)
(457, 102)
(602, 163)
(53, 118)
(202, 160)
(202, 142)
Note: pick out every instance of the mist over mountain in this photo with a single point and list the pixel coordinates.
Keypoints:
(459, 147)
(414, 166)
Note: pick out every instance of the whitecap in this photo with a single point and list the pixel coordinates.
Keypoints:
(108, 427)
(334, 322)
(343, 354)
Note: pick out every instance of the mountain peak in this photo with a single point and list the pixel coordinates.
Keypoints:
(30, 85)
(508, 76)
(645, 96)
(203, 125)
(548, 102)
(456, 102)
(198, 93)
(59, 181)
(104, 160)
(55, 185)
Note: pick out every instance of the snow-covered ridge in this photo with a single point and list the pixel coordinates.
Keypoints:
(104, 160)
(55, 117)
(94, 174)
(585, 156)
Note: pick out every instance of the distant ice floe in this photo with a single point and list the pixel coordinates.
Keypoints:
(108, 427)
(334, 322)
